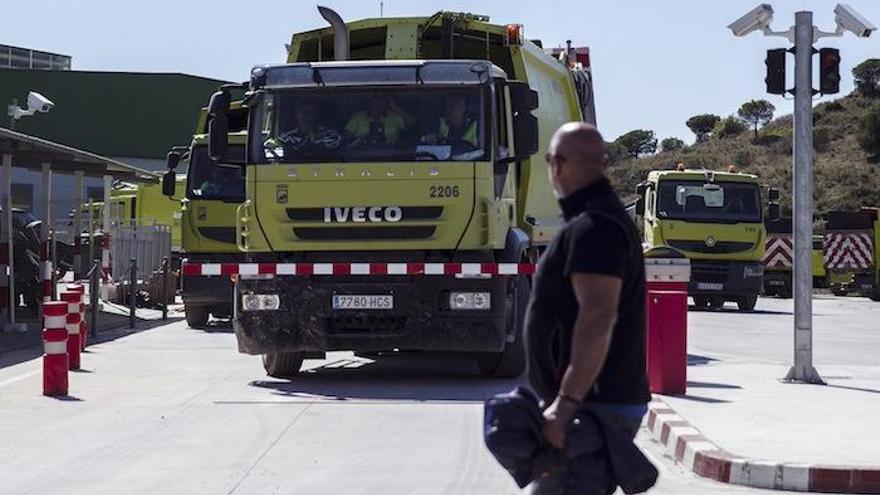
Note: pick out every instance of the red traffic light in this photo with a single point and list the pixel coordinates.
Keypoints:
(829, 71)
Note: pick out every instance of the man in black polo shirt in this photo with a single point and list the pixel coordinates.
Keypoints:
(585, 325)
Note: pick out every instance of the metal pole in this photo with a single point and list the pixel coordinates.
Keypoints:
(7, 237)
(132, 294)
(94, 282)
(77, 224)
(803, 370)
(165, 287)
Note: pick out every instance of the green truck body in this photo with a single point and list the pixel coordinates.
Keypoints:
(404, 198)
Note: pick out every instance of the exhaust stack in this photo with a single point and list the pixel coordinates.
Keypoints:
(340, 32)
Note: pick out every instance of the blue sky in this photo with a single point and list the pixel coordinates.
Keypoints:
(656, 63)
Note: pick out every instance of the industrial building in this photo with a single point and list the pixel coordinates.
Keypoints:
(132, 118)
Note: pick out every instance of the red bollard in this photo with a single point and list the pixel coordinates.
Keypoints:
(55, 348)
(667, 279)
(83, 328)
(73, 300)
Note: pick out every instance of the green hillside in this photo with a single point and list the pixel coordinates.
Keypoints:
(845, 176)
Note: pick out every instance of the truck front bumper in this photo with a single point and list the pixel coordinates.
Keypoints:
(420, 320)
(732, 278)
(215, 291)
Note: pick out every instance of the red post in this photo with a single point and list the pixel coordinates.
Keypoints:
(55, 348)
(83, 328)
(667, 292)
(73, 300)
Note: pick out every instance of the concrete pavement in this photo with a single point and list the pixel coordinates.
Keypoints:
(736, 400)
(175, 410)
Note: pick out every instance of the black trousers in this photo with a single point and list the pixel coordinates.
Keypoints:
(589, 474)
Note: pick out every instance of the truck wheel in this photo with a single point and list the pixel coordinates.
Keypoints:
(196, 316)
(701, 301)
(283, 364)
(746, 303)
(839, 291)
(511, 362)
(716, 302)
(785, 293)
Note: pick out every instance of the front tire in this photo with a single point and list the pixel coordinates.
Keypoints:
(197, 316)
(511, 362)
(283, 364)
(747, 303)
(716, 302)
(701, 301)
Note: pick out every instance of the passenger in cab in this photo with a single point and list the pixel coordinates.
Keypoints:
(455, 127)
(381, 123)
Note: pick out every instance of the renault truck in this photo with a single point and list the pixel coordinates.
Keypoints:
(370, 224)
(716, 220)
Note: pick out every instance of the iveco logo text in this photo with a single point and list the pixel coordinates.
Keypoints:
(362, 214)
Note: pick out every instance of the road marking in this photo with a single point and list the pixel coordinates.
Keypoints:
(19, 378)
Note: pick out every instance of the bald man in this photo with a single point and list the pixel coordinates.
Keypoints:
(585, 324)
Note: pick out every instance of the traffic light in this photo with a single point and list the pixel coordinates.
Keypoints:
(775, 71)
(829, 71)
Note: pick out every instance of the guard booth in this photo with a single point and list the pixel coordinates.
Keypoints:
(19, 232)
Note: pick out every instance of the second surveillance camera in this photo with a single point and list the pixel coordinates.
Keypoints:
(758, 18)
(849, 19)
(39, 103)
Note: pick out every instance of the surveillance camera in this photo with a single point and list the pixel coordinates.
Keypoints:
(758, 18)
(39, 103)
(850, 20)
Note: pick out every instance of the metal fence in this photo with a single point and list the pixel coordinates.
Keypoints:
(147, 244)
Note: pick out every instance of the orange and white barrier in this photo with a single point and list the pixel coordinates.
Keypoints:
(55, 364)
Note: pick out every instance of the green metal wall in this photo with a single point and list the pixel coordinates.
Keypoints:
(110, 113)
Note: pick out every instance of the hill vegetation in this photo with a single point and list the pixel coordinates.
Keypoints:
(846, 139)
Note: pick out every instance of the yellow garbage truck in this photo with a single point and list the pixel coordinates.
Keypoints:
(714, 218)
(394, 198)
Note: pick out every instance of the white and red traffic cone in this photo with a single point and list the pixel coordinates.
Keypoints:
(73, 300)
(55, 348)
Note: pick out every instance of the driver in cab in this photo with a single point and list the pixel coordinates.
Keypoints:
(309, 135)
(381, 123)
(455, 128)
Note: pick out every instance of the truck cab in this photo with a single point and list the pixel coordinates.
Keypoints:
(392, 194)
(715, 219)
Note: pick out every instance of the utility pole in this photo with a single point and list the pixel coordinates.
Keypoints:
(802, 163)
(803, 34)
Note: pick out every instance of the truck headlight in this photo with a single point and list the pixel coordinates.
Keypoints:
(470, 300)
(260, 302)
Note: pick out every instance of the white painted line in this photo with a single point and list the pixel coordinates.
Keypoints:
(322, 269)
(471, 269)
(795, 477)
(20, 377)
(211, 269)
(396, 268)
(248, 269)
(434, 269)
(758, 474)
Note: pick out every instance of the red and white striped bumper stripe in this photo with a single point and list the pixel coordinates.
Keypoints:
(307, 269)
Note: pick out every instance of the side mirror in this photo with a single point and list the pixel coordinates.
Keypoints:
(773, 195)
(172, 160)
(773, 212)
(218, 125)
(169, 182)
(640, 206)
(523, 100)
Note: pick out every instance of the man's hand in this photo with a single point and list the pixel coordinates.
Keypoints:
(557, 418)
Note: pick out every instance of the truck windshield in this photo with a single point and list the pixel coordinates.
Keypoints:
(716, 202)
(355, 125)
(208, 179)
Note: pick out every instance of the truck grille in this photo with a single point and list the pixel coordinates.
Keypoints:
(709, 272)
(363, 233)
(723, 247)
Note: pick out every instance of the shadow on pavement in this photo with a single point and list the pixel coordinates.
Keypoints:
(30, 346)
(696, 360)
(217, 326)
(705, 400)
(734, 310)
(392, 378)
(691, 384)
(857, 389)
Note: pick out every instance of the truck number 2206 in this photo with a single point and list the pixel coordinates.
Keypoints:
(444, 191)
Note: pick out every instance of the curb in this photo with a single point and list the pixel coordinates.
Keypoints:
(690, 448)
